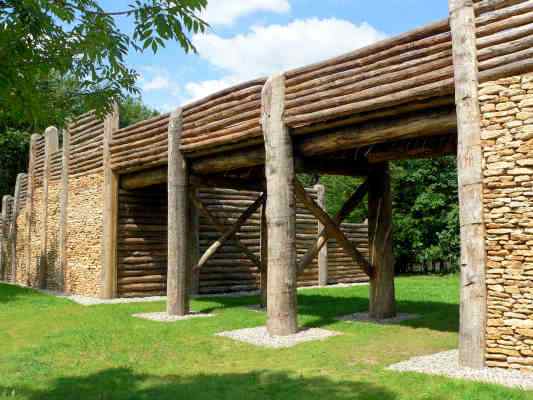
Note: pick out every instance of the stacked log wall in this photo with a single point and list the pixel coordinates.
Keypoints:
(341, 267)
(142, 242)
(143, 145)
(507, 143)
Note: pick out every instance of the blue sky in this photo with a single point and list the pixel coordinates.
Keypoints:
(252, 38)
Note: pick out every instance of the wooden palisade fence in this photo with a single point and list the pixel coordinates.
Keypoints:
(131, 199)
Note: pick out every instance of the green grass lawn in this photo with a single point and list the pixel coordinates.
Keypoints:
(51, 348)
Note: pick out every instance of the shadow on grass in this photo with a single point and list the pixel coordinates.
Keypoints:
(10, 293)
(433, 315)
(124, 383)
(325, 308)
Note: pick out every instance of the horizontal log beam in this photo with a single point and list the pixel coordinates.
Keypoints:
(425, 123)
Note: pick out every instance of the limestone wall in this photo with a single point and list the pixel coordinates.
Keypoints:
(54, 278)
(22, 275)
(507, 134)
(85, 228)
(36, 219)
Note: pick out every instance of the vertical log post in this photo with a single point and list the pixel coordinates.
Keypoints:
(29, 207)
(473, 313)
(4, 223)
(51, 145)
(382, 301)
(14, 227)
(109, 241)
(280, 211)
(263, 280)
(178, 221)
(194, 249)
(63, 204)
(323, 254)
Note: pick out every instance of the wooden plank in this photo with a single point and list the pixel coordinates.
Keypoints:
(473, 314)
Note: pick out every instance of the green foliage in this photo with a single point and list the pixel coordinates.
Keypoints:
(13, 158)
(45, 42)
(133, 110)
(52, 348)
(426, 211)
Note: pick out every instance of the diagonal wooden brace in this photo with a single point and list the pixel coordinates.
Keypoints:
(331, 228)
(322, 240)
(228, 233)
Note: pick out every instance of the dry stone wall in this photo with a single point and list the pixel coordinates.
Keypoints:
(84, 238)
(507, 141)
(54, 278)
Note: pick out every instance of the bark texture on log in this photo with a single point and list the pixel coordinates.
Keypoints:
(280, 212)
(178, 221)
(109, 239)
(469, 169)
(382, 301)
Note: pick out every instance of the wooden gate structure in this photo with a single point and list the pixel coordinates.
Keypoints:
(463, 85)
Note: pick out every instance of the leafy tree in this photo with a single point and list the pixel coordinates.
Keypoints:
(426, 224)
(425, 209)
(13, 158)
(46, 43)
(132, 110)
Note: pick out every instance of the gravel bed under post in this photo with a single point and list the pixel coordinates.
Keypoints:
(259, 336)
(447, 364)
(164, 317)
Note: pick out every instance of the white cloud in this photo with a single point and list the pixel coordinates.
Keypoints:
(226, 12)
(276, 48)
(157, 79)
(197, 90)
(156, 83)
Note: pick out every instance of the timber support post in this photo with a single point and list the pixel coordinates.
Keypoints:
(111, 181)
(51, 145)
(382, 301)
(29, 208)
(4, 223)
(323, 254)
(280, 211)
(178, 221)
(263, 277)
(194, 247)
(63, 204)
(473, 308)
(14, 227)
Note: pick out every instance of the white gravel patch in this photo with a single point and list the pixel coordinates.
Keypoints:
(164, 317)
(259, 336)
(365, 317)
(447, 364)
